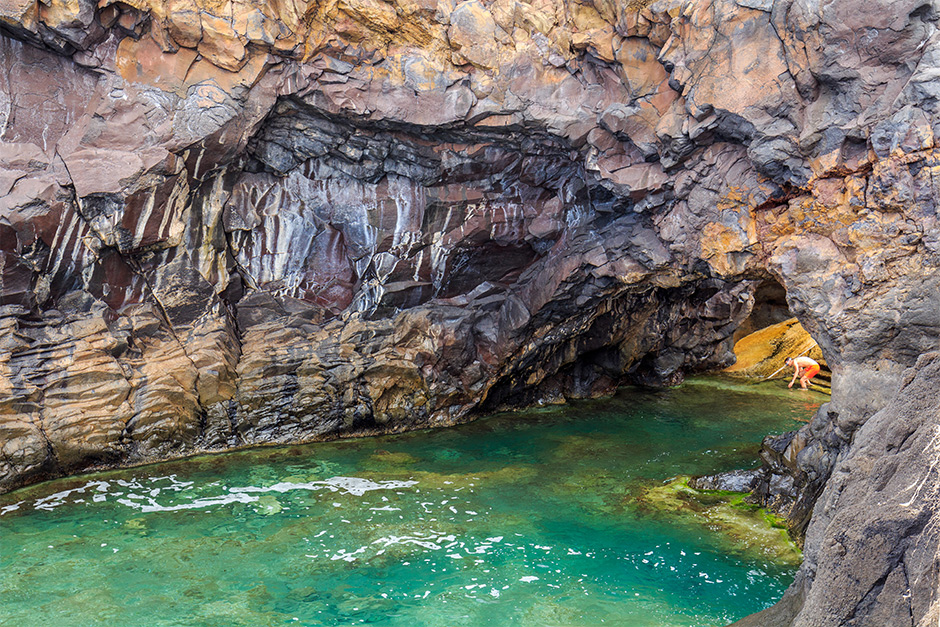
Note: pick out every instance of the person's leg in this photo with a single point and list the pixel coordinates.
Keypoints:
(808, 374)
(811, 372)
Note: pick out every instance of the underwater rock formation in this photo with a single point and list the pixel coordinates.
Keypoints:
(224, 223)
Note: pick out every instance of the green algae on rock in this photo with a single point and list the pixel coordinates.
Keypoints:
(750, 529)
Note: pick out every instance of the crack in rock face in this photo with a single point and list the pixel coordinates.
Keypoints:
(225, 224)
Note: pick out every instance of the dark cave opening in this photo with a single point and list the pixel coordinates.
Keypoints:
(770, 307)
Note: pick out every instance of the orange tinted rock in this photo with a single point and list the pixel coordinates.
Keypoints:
(253, 69)
(472, 34)
(592, 32)
(184, 22)
(66, 13)
(373, 13)
(221, 44)
(20, 11)
(762, 354)
(143, 61)
(641, 69)
(255, 26)
(722, 246)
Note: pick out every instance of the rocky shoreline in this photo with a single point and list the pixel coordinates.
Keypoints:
(224, 224)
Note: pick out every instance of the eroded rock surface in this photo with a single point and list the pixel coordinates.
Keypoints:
(224, 223)
(873, 546)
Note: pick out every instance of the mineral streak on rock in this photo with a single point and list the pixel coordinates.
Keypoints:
(226, 223)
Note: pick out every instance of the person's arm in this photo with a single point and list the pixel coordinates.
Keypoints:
(796, 374)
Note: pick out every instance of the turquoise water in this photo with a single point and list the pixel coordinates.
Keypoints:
(518, 519)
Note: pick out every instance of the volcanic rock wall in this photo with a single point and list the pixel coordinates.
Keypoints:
(224, 223)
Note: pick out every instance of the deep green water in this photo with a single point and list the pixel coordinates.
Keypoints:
(518, 519)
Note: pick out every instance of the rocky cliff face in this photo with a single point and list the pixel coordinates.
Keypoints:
(226, 224)
(872, 552)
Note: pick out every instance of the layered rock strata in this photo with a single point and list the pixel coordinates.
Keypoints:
(226, 224)
(762, 355)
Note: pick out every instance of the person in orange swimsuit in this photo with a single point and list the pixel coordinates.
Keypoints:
(804, 369)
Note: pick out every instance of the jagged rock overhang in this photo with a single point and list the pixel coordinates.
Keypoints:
(661, 137)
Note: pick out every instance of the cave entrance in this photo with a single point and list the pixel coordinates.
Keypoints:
(770, 307)
(771, 334)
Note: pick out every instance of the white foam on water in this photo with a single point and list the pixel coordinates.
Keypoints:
(348, 485)
(347, 557)
(152, 506)
(145, 500)
(10, 508)
(424, 541)
(48, 503)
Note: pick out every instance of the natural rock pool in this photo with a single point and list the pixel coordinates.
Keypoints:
(519, 519)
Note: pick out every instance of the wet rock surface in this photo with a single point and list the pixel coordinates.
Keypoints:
(733, 481)
(226, 224)
(762, 355)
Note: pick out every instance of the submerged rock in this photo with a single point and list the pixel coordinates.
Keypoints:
(749, 530)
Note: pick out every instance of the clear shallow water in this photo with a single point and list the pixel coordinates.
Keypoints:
(519, 519)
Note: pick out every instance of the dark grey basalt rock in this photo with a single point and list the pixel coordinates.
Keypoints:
(872, 553)
(733, 481)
